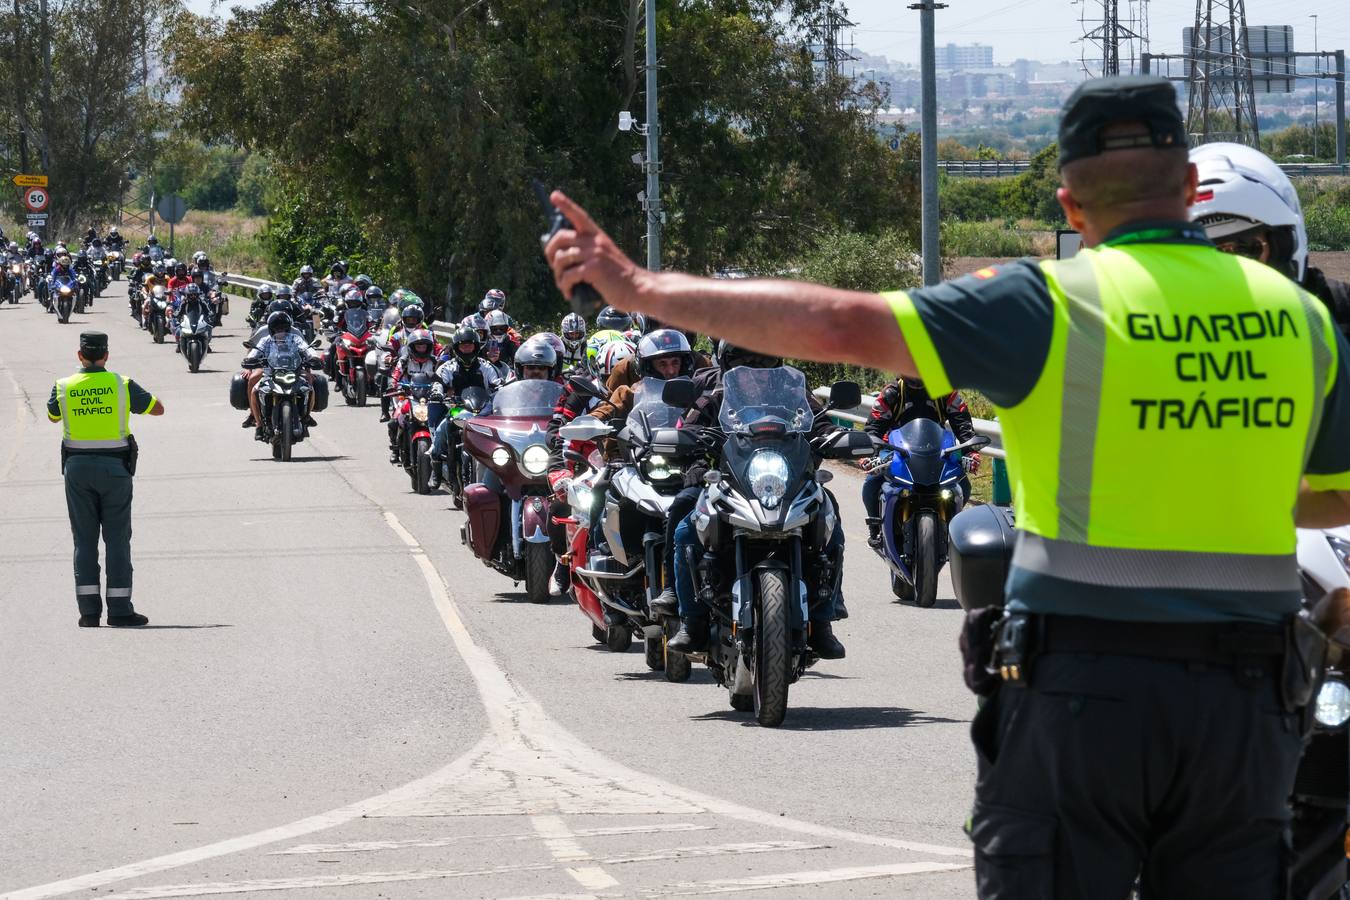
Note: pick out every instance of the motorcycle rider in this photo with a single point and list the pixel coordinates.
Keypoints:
(1248, 206)
(611, 319)
(499, 329)
(153, 249)
(495, 298)
(681, 537)
(466, 368)
(536, 360)
(411, 319)
(306, 283)
(281, 335)
(337, 275)
(572, 403)
(193, 291)
(492, 355)
(114, 240)
(62, 270)
(573, 333)
(899, 403)
(417, 356)
(90, 236)
(180, 277)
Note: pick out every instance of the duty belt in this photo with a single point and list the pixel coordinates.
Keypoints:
(1212, 643)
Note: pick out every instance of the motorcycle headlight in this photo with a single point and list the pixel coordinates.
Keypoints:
(658, 468)
(1333, 704)
(285, 378)
(582, 497)
(1342, 550)
(768, 477)
(420, 411)
(501, 457)
(15, 269)
(535, 459)
(65, 289)
(82, 279)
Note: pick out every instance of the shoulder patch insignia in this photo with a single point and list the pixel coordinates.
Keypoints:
(986, 273)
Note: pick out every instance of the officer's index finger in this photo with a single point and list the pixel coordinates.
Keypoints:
(580, 219)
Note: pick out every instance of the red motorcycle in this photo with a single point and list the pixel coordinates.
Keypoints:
(412, 411)
(349, 350)
(508, 512)
(581, 498)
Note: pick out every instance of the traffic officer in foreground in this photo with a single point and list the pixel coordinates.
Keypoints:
(98, 458)
(1148, 683)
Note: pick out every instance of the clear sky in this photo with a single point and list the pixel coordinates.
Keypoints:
(1048, 30)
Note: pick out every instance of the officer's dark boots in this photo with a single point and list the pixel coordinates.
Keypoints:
(691, 638)
(131, 620)
(823, 641)
(89, 621)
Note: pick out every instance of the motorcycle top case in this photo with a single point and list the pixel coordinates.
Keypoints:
(239, 392)
(981, 545)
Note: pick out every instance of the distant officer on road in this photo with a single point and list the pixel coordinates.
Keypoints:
(1151, 674)
(98, 458)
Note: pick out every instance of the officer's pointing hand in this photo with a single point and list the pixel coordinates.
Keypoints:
(584, 253)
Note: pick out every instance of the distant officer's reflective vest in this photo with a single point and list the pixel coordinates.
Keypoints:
(1163, 443)
(95, 407)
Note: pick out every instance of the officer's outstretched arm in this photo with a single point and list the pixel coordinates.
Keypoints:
(1322, 509)
(156, 409)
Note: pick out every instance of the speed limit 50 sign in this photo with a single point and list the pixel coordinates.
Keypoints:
(36, 198)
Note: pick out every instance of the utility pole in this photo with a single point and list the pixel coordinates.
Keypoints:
(652, 203)
(932, 257)
(45, 145)
(20, 92)
(1317, 83)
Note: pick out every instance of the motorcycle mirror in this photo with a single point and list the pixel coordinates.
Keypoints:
(316, 343)
(587, 387)
(679, 393)
(824, 476)
(844, 395)
(712, 476)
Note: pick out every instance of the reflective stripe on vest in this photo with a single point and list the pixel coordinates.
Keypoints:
(1163, 444)
(95, 408)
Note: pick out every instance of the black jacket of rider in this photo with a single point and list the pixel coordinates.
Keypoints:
(708, 407)
(456, 378)
(899, 404)
(1335, 294)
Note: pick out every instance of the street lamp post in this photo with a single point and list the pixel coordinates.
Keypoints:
(1317, 83)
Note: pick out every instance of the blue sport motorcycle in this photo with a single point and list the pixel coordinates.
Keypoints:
(920, 494)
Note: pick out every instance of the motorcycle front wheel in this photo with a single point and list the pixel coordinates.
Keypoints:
(538, 569)
(925, 559)
(281, 444)
(420, 471)
(359, 385)
(676, 665)
(772, 648)
(194, 356)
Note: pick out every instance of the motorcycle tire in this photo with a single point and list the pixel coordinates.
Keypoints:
(925, 559)
(420, 471)
(193, 352)
(285, 436)
(772, 648)
(157, 330)
(618, 638)
(539, 564)
(654, 649)
(677, 666)
(598, 633)
(63, 312)
(359, 386)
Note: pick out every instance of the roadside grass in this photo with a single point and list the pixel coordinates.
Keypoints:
(232, 240)
(997, 238)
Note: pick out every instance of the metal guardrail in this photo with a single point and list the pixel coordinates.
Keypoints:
(987, 427)
(1002, 168)
(243, 285)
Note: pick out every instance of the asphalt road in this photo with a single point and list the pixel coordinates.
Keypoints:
(335, 698)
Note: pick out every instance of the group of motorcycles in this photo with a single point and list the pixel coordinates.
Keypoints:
(189, 319)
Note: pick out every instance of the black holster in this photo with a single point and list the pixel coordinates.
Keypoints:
(133, 453)
(1304, 663)
(979, 634)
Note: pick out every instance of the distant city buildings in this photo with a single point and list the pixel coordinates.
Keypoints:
(964, 57)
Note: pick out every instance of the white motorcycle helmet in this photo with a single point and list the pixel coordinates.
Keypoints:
(1244, 194)
(573, 332)
(611, 355)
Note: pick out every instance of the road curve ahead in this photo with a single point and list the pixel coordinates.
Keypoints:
(334, 699)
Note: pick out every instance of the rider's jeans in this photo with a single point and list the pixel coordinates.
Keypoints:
(871, 492)
(686, 539)
(440, 440)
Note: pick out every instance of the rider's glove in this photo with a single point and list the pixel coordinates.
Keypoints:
(971, 462)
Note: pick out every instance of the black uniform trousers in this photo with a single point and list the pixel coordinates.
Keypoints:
(98, 499)
(1108, 767)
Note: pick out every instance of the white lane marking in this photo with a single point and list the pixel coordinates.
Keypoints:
(698, 851)
(565, 847)
(429, 843)
(316, 881)
(23, 414)
(516, 720)
(798, 879)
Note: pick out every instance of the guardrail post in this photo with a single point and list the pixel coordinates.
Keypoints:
(1002, 492)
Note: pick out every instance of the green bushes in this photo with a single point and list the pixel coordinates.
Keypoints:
(1030, 195)
(999, 239)
(1326, 211)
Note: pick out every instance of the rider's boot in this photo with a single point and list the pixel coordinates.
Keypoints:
(434, 479)
(665, 603)
(691, 638)
(874, 532)
(561, 580)
(823, 641)
(249, 422)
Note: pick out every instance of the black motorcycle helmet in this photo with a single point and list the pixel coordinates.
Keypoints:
(179, 271)
(284, 292)
(612, 318)
(354, 300)
(374, 296)
(729, 356)
(364, 282)
(464, 336)
(338, 268)
(193, 292)
(278, 323)
(421, 344)
(413, 312)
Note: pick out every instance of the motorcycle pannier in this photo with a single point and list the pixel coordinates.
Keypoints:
(484, 511)
(239, 392)
(320, 393)
(981, 539)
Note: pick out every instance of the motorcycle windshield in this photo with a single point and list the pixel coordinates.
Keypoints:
(527, 398)
(355, 321)
(754, 395)
(283, 358)
(192, 311)
(923, 440)
(648, 407)
(474, 399)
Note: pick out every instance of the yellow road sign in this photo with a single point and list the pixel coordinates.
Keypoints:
(30, 180)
